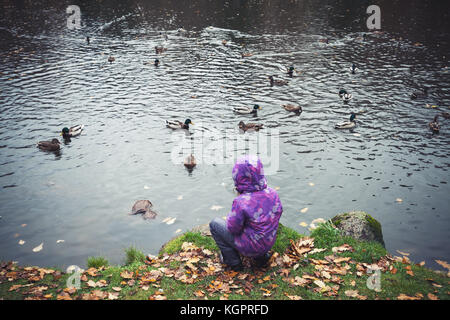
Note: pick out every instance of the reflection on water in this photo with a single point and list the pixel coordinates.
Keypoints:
(51, 78)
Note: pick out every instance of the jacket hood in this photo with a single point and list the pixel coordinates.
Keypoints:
(248, 174)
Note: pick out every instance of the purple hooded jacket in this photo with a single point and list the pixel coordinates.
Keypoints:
(255, 213)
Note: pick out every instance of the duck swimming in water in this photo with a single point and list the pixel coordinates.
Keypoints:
(249, 126)
(419, 94)
(156, 62)
(277, 82)
(353, 68)
(74, 131)
(190, 162)
(247, 110)
(346, 97)
(292, 108)
(347, 124)
(290, 71)
(111, 59)
(434, 125)
(175, 124)
(53, 145)
(160, 49)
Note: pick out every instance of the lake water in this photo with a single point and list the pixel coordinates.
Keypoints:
(51, 78)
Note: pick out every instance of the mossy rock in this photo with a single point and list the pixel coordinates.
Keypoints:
(359, 225)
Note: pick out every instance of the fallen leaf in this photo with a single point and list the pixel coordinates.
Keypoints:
(403, 253)
(304, 210)
(351, 293)
(432, 296)
(21, 242)
(217, 208)
(38, 248)
(126, 274)
(443, 264)
(303, 224)
(405, 297)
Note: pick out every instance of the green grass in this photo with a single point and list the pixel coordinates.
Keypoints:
(134, 255)
(284, 235)
(195, 237)
(97, 262)
(423, 282)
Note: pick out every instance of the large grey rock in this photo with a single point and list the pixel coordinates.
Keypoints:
(359, 225)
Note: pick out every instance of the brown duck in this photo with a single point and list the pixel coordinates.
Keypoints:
(49, 145)
(250, 126)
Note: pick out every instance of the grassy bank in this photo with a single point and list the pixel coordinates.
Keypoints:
(324, 265)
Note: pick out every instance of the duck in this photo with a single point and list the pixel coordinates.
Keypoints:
(250, 126)
(353, 68)
(277, 82)
(290, 71)
(346, 97)
(52, 145)
(88, 40)
(347, 124)
(224, 42)
(446, 115)
(160, 49)
(74, 131)
(247, 110)
(324, 40)
(175, 124)
(292, 108)
(246, 54)
(434, 125)
(111, 59)
(156, 62)
(419, 94)
(190, 162)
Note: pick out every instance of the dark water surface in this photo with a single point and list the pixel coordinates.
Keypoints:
(50, 78)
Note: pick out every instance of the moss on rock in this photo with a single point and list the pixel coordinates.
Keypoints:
(359, 225)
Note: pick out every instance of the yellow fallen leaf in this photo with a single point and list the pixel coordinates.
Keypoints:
(304, 210)
(303, 224)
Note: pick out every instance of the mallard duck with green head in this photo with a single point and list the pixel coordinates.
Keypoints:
(52, 145)
(347, 124)
(175, 124)
(290, 71)
(247, 110)
(74, 131)
(249, 126)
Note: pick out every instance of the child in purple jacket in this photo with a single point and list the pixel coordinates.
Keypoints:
(251, 226)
